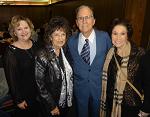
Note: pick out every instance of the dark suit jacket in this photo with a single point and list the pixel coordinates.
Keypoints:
(88, 78)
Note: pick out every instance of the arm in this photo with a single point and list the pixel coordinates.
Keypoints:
(41, 67)
(12, 74)
(143, 74)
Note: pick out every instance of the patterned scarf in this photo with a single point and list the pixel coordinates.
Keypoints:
(67, 84)
(119, 84)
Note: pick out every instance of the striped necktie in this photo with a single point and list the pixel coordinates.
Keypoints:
(85, 53)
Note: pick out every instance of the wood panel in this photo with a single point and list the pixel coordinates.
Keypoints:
(135, 12)
(105, 11)
(145, 42)
(38, 14)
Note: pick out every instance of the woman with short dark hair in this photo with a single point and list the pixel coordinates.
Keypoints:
(121, 89)
(53, 71)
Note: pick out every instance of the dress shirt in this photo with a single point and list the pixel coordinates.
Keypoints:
(92, 43)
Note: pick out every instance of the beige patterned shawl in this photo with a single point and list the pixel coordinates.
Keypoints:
(119, 84)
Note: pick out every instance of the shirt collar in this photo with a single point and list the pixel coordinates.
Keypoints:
(91, 37)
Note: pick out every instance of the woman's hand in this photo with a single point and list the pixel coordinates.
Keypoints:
(55, 111)
(22, 105)
(143, 114)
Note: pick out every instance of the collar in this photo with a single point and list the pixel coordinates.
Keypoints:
(91, 37)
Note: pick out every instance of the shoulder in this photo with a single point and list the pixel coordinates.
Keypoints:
(141, 50)
(41, 56)
(10, 49)
(73, 39)
(41, 52)
(10, 55)
(74, 36)
(138, 50)
(101, 33)
(146, 57)
(103, 38)
(45, 53)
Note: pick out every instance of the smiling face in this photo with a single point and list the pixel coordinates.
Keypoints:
(85, 21)
(58, 38)
(22, 31)
(119, 36)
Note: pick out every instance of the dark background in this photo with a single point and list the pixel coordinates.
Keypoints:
(105, 10)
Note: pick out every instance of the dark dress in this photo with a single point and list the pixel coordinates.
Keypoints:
(20, 74)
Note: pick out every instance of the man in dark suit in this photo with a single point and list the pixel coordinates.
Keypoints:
(87, 74)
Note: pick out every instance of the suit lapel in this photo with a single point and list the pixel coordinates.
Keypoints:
(98, 47)
(75, 47)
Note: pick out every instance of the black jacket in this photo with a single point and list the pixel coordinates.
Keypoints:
(144, 74)
(48, 77)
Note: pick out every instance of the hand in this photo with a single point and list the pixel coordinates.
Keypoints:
(22, 105)
(143, 114)
(55, 111)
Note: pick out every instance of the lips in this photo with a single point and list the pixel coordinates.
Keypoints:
(117, 42)
(24, 35)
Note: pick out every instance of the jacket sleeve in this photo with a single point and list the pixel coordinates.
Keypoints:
(12, 74)
(108, 40)
(40, 75)
(144, 74)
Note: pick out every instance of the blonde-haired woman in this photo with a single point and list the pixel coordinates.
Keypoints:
(19, 67)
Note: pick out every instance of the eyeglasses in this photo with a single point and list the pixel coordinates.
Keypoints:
(84, 18)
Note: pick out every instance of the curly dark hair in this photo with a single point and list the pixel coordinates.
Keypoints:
(54, 24)
(123, 22)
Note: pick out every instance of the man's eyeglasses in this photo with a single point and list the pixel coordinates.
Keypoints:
(84, 18)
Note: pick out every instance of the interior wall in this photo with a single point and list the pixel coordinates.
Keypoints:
(105, 11)
(135, 12)
(38, 14)
(145, 41)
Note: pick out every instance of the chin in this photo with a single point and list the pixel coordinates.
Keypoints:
(118, 46)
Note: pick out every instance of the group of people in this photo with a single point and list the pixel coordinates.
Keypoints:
(106, 77)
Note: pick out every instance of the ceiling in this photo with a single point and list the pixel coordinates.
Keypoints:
(28, 2)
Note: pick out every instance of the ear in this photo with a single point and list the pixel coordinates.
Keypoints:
(94, 21)
(77, 22)
(50, 38)
(15, 34)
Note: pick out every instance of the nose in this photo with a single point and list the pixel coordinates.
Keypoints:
(23, 31)
(61, 37)
(118, 37)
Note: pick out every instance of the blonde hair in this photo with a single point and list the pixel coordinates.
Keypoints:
(15, 23)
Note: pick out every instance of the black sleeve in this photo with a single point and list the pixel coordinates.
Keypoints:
(144, 74)
(12, 74)
(40, 72)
